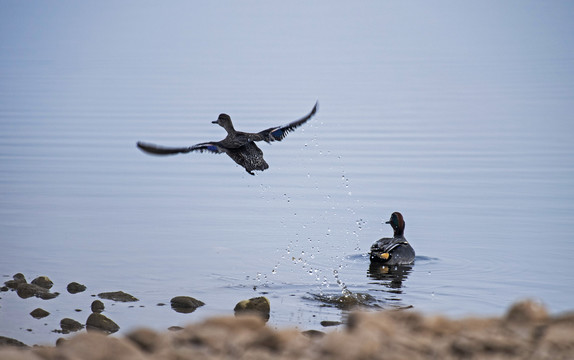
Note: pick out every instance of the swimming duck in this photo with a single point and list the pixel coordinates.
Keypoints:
(239, 146)
(395, 250)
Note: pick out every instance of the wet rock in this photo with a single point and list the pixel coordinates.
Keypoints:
(185, 304)
(118, 296)
(74, 288)
(100, 322)
(327, 323)
(70, 325)
(39, 313)
(257, 305)
(11, 342)
(17, 279)
(43, 282)
(97, 306)
(28, 290)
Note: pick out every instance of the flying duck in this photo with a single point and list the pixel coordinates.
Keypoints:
(239, 146)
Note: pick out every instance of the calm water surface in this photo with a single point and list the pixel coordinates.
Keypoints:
(458, 116)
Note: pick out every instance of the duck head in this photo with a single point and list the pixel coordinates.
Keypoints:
(398, 223)
(224, 121)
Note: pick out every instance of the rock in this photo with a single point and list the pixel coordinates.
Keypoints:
(28, 290)
(327, 323)
(97, 306)
(74, 288)
(313, 334)
(117, 296)
(43, 282)
(100, 322)
(526, 311)
(11, 342)
(70, 325)
(17, 279)
(185, 304)
(258, 305)
(39, 313)
(146, 339)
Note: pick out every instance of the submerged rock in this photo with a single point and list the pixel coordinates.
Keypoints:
(185, 304)
(118, 296)
(70, 325)
(74, 288)
(97, 306)
(100, 322)
(39, 313)
(257, 305)
(43, 281)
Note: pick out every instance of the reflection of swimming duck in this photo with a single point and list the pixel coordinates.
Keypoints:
(238, 145)
(395, 250)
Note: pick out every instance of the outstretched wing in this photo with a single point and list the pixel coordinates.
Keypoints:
(278, 133)
(162, 150)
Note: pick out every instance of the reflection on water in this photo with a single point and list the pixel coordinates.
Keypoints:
(390, 277)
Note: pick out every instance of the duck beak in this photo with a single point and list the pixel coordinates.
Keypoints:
(388, 222)
(214, 122)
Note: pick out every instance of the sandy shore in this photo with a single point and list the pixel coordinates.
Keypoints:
(526, 331)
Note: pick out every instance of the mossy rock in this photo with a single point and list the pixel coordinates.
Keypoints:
(257, 305)
(43, 282)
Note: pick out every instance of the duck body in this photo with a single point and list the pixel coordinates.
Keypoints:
(395, 250)
(239, 146)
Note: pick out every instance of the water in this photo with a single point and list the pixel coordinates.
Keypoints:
(456, 115)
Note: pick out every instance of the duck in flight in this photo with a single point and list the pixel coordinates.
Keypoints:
(239, 146)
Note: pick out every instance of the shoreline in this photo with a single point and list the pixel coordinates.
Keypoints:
(526, 330)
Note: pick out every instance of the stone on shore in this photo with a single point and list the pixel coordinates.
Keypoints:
(371, 335)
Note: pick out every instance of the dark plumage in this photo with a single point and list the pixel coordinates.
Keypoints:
(239, 146)
(395, 250)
